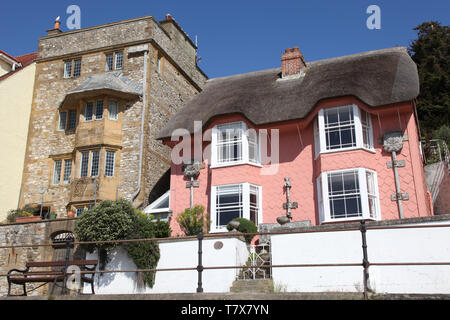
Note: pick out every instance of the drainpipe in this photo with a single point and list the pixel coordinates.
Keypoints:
(397, 185)
(393, 143)
(144, 108)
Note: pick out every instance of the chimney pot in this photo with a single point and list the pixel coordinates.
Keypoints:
(57, 25)
(292, 62)
(168, 16)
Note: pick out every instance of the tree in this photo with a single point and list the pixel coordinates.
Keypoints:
(431, 52)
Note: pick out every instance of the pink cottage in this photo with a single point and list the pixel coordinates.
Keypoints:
(328, 141)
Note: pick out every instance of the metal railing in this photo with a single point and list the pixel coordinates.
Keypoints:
(365, 263)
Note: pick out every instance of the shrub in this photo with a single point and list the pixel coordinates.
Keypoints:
(245, 226)
(26, 211)
(194, 220)
(118, 220)
(144, 254)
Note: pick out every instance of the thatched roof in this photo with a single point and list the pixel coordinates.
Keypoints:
(377, 78)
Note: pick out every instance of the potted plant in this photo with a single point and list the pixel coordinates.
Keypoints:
(52, 216)
(71, 214)
(24, 216)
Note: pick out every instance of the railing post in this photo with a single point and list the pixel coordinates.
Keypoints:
(66, 265)
(200, 266)
(365, 262)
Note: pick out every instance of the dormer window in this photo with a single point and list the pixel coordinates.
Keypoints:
(343, 128)
(233, 143)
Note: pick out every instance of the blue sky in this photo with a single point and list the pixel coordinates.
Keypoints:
(239, 36)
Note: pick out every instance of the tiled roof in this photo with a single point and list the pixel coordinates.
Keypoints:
(25, 60)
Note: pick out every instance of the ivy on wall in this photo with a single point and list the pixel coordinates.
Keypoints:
(118, 220)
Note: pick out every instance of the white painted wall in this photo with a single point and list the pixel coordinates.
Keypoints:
(384, 245)
(176, 254)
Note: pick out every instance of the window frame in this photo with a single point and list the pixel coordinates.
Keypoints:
(113, 163)
(116, 118)
(56, 179)
(92, 113)
(244, 143)
(68, 73)
(67, 169)
(96, 107)
(75, 113)
(75, 65)
(320, 144)
(65, 120)
(323, 198)
(246, 191)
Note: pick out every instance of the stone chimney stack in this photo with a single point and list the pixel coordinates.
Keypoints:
(56, 28)
(292, 63)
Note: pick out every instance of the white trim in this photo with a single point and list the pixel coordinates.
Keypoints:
(59, 120)
(12, 62)
(358, 132)
(245, 187)
(322, 188)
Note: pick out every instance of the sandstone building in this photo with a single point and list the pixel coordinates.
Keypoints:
(101, 95)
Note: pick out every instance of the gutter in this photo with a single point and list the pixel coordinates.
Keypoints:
(144, 109)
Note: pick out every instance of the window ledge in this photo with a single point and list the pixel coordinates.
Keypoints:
(347, 149)
(235, 164)
(352, 219)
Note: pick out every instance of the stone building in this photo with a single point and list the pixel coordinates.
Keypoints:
(101, 94)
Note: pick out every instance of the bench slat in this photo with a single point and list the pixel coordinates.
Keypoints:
(60, 263)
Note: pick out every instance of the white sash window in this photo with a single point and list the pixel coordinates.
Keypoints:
(343, 128)
(233, 144)
(348, 195)
(234, 201)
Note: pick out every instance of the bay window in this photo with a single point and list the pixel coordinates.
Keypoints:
(233, 143)
(234, 201)
(342, 128)
(348, 195)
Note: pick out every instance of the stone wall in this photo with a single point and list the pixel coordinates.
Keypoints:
(24, 234)
(165, 92)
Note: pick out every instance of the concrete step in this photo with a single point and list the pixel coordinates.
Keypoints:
(252, 286)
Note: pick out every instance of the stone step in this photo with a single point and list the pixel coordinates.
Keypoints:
(253, 286)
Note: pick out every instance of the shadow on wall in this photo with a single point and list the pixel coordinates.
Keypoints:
(160, 187)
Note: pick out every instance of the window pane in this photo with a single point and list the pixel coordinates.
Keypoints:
(89, 111)
(67, 171)
(99, 110)
(80, 210)
(254, 204)
(113, 110)
(344, 194)
(77, 67)
(72, 119)
(62, 120)
(229, 143)
(57, 172)
(67, 69)
(109, 62)
(339, 128)
(229, 204)
(95, 162)
(119, 60)
(84, 164)
(109, 164)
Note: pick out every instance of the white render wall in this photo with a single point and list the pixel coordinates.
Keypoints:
(176, 254)
(430, 244)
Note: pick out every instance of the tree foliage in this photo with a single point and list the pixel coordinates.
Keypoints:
(431, 52)
(118, 220)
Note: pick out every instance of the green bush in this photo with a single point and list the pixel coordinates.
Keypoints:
(245, 226)
(194, 220)
(118, 220)
(144, 254)
(26, 211)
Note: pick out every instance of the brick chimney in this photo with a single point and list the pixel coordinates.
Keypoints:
(56, 28)
(292, 62)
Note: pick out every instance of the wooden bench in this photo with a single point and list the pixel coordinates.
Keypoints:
(22, 277)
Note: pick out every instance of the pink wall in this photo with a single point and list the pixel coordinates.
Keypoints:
(297, 162)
